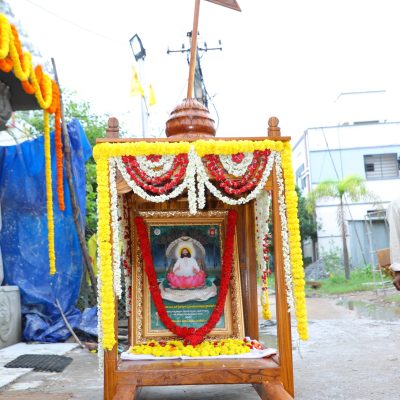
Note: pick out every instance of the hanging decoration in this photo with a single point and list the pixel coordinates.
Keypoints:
(295, 242)
(253, 189)
(190, 335)
(160, 171)
(263, 239)
(106, 293)
(115, 231)
(285, 235)
(126, 252)
(46, 91)
(49, 194)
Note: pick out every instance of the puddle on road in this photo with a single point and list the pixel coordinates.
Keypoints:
(371, 310)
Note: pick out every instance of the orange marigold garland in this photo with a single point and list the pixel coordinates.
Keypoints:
(22, 61)
(6, 64)
(56, 110)
(35, 82)
(59, 160)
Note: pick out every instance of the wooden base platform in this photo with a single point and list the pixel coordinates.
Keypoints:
(263, 373)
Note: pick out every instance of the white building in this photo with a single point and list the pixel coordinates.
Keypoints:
(364, 145)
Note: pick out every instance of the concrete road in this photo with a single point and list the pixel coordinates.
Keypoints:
(351, 355)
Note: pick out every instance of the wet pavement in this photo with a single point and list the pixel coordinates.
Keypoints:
(353, 354)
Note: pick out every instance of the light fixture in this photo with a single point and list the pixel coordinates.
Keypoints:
(137, 47)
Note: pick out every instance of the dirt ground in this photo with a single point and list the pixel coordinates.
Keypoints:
(353, 354)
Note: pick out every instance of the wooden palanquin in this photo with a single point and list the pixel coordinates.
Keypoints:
(271, 377)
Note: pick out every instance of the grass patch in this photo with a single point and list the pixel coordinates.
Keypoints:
(337, 284)
(271, 281)
(394, 298)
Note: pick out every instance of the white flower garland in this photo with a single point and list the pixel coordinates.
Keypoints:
(262, 210)
(203, 179)
(262, 206)
(285, 234)
(234, 168)
(126, 243)
(115, 230)
(151, 168)
(191, 180)
(189, 183)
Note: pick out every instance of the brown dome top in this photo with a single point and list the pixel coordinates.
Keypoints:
(190, 119)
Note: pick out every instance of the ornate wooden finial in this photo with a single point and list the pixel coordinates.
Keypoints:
(113, 128)
(190, 119)
(273, 128)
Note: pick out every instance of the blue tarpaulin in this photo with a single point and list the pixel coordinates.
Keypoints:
(23, 237)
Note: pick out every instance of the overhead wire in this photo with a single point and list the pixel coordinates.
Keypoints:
(62, 18)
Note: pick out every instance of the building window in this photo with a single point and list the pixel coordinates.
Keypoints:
(381, 166)
(299, 180)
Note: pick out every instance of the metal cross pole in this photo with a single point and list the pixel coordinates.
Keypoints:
(193, 48)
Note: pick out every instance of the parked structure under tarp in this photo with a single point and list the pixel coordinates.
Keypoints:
(24, 235)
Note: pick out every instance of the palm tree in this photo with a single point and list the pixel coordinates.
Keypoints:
(351, 187)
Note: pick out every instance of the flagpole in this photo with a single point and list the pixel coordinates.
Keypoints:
(193, 49)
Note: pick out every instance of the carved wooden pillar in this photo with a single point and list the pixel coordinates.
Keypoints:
(111, 356)
(282, 313)
(112, 131)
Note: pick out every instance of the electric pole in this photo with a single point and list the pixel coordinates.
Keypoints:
(200, 92)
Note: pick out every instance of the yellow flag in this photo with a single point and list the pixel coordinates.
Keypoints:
(136, 86)
(152, 97)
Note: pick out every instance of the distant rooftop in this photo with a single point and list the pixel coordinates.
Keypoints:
(363, 107)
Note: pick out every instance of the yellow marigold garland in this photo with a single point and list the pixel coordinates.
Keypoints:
(202, 147)
(294, 242)
(49, 194)
(176, 348)
(5, 34)
(22, 61)
(106, 150)
(266, 312)
(105, 251)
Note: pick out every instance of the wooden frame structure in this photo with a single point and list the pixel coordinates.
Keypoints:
(271, 377)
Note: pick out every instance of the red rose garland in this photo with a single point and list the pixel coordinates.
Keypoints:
(155, 184)
(248, 181)
(191, 336)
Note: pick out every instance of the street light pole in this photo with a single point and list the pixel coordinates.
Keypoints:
(139, 52)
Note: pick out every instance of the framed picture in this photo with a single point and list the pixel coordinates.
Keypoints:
(187, 253)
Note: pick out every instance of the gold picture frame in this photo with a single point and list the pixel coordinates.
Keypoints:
(204, 235)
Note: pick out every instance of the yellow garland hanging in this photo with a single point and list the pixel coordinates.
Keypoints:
(44, 99)
(5, 34)
(202, 147)
(295, 242)
(266, 312)
(22, 68)
(105, 251)
(49, 194)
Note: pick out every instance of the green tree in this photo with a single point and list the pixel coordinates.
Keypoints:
(351, 187)
(307, 221)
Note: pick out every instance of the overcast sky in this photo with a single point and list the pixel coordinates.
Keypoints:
(287, 58)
